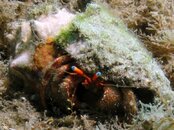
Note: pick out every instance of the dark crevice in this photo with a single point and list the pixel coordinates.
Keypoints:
(144, 95)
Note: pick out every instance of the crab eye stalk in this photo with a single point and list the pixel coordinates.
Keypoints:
(78, 71)
(96, 75)
(73, 68)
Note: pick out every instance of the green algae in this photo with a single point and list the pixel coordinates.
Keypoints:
(68, 34)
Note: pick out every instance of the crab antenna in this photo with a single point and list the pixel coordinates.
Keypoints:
(96, 75)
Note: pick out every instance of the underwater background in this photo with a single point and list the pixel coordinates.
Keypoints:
(130, 42)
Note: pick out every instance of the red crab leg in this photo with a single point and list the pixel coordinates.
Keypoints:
(56, 64)
(61, 60)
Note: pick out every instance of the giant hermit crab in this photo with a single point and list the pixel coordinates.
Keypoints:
(100, 65)
(68, 86)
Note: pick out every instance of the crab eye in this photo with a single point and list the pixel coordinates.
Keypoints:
(73, 68)
(98, 74)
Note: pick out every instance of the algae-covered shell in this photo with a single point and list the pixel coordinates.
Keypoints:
(106, 45)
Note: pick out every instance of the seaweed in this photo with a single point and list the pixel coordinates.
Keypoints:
(68, 34)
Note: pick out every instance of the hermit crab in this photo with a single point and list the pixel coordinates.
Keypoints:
(94, 61)
(71, 86)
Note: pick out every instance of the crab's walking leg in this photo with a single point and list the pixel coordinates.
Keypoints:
(59, 66)
(110, 99)
(67, 91)
(57, 75)
(61, 60)
(129, 102)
